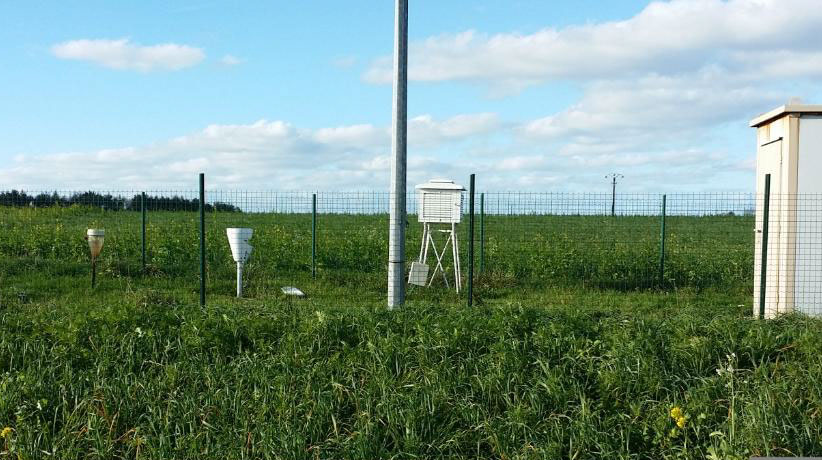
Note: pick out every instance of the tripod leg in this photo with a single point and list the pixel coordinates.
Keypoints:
(436, 256)
(442, 256)
(424, 244)
(439, 266)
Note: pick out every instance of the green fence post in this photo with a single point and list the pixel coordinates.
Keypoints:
(764, 263)
(314, 235)
(202, 242)
(143, 230)
(482, 233)
(471, 242)
(662, 245)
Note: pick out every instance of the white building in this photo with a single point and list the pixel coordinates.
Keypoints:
(789, 149)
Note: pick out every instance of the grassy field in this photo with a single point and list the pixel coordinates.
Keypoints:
(571, 351)
(518, 252)
(567, 374)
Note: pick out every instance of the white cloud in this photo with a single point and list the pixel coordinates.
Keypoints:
(664, 38)
(344, 62)
(259, 155)
(361, 136)
(425, 130)
(654, 108)
(124, 55)
(660, 130)
(276, 155)
(773, 64)
(231, 61)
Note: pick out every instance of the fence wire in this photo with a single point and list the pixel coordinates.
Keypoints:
(788, 255)
(334, 246)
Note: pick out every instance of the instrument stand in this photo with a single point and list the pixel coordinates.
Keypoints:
(428, 240)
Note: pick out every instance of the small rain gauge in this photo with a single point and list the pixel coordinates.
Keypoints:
(240, 250)
(95, 237)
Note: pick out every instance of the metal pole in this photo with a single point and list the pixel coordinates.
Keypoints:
(93, 272)
(471, 242)
(482, 232)
(397, 214)
(314, 235)
(613, 196)
(764, 263)
(662, 245)
(143, 234)
(239, 279)
(202, 241)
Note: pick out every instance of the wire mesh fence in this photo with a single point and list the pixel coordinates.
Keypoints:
(788, 248)
(333, 246)
(638, 241)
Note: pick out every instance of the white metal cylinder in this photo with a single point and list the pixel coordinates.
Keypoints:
(397, 210)
(95, 237)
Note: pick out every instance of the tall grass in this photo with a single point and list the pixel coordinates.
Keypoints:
(543, 368)
(144, 375)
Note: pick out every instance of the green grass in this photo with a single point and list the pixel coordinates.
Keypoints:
(573, 374)
(518, 253)
(551, 363)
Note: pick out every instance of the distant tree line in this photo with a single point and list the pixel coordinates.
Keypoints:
(109, 202)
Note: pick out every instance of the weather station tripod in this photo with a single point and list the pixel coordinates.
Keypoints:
(428, 241)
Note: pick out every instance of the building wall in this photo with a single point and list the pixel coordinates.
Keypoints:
(808, 265)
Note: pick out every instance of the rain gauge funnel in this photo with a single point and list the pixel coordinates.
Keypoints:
(95, 237)
(240, 250)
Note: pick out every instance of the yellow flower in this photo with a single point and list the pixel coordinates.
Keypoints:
(6, 432)
(680, 422)
(676, 413)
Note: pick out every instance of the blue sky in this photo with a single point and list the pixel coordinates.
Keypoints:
(532, 95)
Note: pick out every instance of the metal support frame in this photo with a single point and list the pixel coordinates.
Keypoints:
(428, 241)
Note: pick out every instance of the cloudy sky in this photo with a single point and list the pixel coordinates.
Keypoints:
(529, 95)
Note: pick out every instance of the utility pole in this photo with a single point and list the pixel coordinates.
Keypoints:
(399, 125)
(613, 177)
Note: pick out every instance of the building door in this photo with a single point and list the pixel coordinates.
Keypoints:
(768, 161)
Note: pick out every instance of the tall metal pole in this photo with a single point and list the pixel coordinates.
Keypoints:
(662, 245)
(764, 263)
(471, 242)
(314, 235)
(202, 241)
(482, 233)
(143, 233)
(397, 212)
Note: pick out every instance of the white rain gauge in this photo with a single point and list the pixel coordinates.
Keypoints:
(240, 250)
(439, 209)
(95, 237)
